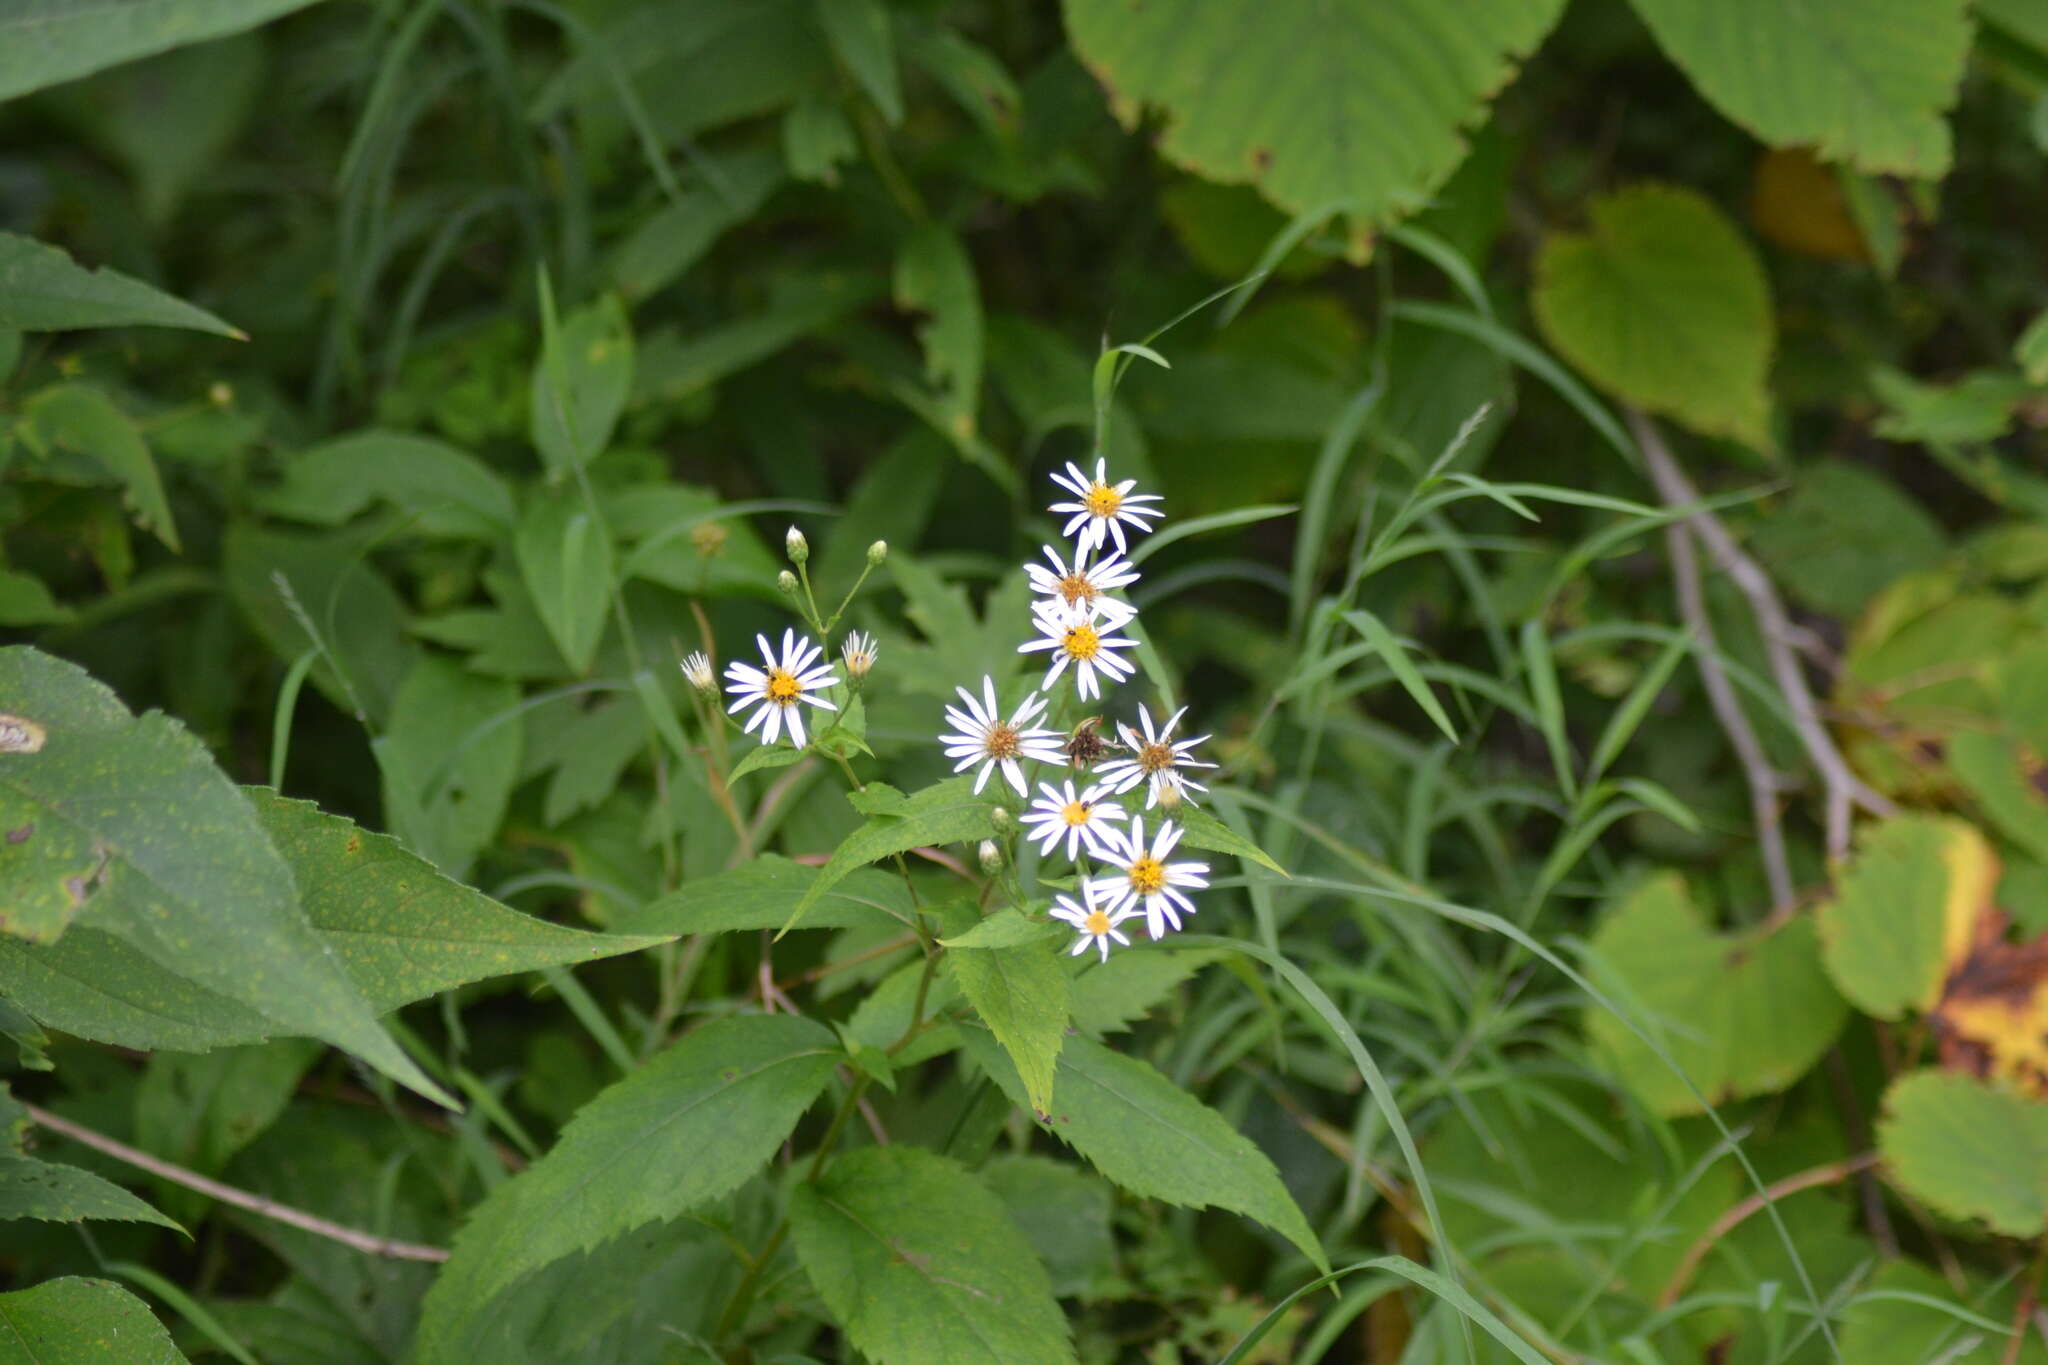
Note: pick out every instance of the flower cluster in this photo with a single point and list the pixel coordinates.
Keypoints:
(1079, 619)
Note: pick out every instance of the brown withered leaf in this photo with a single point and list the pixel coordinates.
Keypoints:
(1992, 1019)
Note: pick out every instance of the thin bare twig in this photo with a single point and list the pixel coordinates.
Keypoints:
(1844, 789)
(1765, 782)
(227, 1194)
(1689, 1264)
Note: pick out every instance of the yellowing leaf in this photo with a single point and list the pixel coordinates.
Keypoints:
(1993, 1017)
(1905, 914)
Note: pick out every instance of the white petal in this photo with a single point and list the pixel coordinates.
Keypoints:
(981, 779)
(793, 716)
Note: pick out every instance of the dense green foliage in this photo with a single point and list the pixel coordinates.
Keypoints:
(1601, 548)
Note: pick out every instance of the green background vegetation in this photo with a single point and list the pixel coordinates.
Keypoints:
(1607, 535)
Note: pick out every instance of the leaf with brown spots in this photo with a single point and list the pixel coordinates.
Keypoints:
(1993, 1017)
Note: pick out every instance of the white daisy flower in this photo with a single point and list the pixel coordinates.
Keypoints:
(1081, 817)
(1084, 585)
(1097, 925)
(1144, 879)
(1158, 760)
(776, 690)
(1104, 509)
(697, 669)
(981, 736)
(1077, 637)
(858, 654)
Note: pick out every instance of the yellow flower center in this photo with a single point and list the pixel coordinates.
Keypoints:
(1076, 812)
(1081, 642)
(1103, 500)
(1001, 742)
(782, 686)
(1097, 922)
(1076, 589)
(1148, 875)
(1156, 757)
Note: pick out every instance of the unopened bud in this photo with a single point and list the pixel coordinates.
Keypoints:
(1000, 820)
(1169, 793)
(799, 549)
(877, 552)
(787, 582)
(708, 537)
(991, 856)
(697, 668)
(221, 395)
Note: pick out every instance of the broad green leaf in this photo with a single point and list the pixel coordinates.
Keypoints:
(450, 758)
(55, 1193)
(1321, 109)
(1743, 1014)
(922, 1265)
(686, 1128)
(666, 243)
(589, 751)
(194, 884)
(817, 139)
(1395, 656)
(565, 555)
(1867, 84)
(76, 1321)
(400, 928)
(1843, 535)
(1906, 911)
(1007, 929)
(1021, 993)
(580, 385)
(1969, 1148)
(884, 1014)
(671, 369)
(1662, 303)
(448, 491)
(1906, 1314)
(948, 813)
(1997, 773)
(761, 895)
(1064, 1214)
(1204, 830)
(1110, 996)
(44, 290)
(1979, 406)
(99, 987)
(1154, 1139)
(26, 601)
(769, 756)
(83, 421)
(935, 276)
(864, 42)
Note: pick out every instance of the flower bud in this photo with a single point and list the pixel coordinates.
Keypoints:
(221, 394)
(697, 668)
(991, 856)
(858, 654)
(1001, 820)
(877, 552)
(799, 549)
(787, 582)
(1169, 792)
(709, 538)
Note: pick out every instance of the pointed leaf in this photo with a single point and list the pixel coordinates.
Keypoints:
(1204, 830)
(1154, 1139)
(76, 1321)
(1396, 658)
(761, 894)
(922, 1265)
(864, 41)
(1020, 992)
(948, 813)
(686, 1128)
(56, 1193)
(450, 491)
(44, 290)
(565, 556)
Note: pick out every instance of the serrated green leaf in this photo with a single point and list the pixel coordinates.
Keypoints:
(1203, 830)
(1364, 127)
(761, 895)
(99, 987)
(1995, 770)
(194, 884)
(44, 42)
(565, 556)
(764, 756)
(581, 383)
(1867, 84)
(82, 420)
(948, 813)
(44, 290)
(401, 929)
(1743, 1014)
(686, 1128)
(1905, 912)
(922, 1265)
(1006, 929)
(1969, 1148)
(1110, 996)
(1064, 1214)
(76, 1321)
(1021, 993)
(56, 1193)
(1154, 1139)
(448, 491)
(1662, 303)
